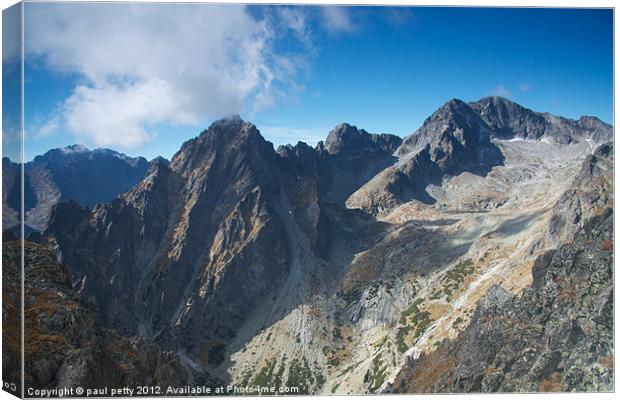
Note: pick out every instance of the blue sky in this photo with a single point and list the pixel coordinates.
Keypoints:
(144, 79)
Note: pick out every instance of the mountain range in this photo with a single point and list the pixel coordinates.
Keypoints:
(63, 174)
(453, 260)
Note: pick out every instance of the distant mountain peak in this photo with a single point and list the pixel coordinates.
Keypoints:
(156, 164)
(454, 104)
(74, 173)
(454, 118)
(509, 120)
(347, 138)
(74, 148)
(343, 135)
(77, 151)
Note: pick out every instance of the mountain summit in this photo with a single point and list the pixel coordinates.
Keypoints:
(509, 120)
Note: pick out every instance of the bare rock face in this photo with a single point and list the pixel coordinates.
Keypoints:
(349, 141)
(591, 194)
(64, 345)
(344, 162)
(88, 176)
(186, 255)
(454, 130)
(331, 172)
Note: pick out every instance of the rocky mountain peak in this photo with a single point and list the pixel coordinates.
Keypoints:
(348, 138)
(78, 148)
(595, 129)
(454, 139)
(303, 158)
(497, 103)
(509, 120)
(79, 153)
(590, 121)
(454, 120)
(299, 148)
(157, 167)
(453, 105)
(157, 162)
(224, 135)
(345, 136)
(67, 173)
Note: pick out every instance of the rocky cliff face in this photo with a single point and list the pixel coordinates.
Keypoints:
(335, 268)
(193, 246)
(72, 173)
(64, 345)
(591, 193)
(344, 162)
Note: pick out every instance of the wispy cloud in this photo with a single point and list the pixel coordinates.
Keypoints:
(144, 64)
(525, 87)
(500, 90)
(338, 19)
(11, 132)
(44, 127)
(399, 16)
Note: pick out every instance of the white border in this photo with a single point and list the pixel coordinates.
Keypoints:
(479, 3)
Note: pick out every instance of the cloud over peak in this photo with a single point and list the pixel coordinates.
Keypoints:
(143, 64)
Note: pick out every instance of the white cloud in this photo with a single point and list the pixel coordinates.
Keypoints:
(295, 19)
(143, 64)
(525, 87)
(500, 90)
(111, 114)
(337, 19)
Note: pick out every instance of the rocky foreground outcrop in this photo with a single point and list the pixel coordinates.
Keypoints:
(64, 344)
